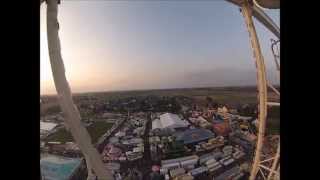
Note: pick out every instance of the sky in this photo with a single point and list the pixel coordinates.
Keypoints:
(129, 45)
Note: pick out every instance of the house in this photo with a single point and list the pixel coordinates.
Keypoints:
(199, 170)
(176, 172)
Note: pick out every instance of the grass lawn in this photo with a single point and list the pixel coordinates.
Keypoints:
(96, 130)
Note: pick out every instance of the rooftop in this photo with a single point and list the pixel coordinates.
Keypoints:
(56, 167)
(47, 126)
(169, 120)
(194, 135)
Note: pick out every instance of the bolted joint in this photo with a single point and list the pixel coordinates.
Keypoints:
(250, 3)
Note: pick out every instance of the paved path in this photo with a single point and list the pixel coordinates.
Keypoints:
(146, 168)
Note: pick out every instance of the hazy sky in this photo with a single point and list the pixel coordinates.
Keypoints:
(122, 45)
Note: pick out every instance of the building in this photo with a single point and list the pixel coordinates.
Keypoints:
(230, 174)
(169, 120)
(221, 128)
(198, 171)
(156, 176)
(57, 167)
(169, 162)
(46, 128)
(174, 149)
(194, 136)
(176, 172)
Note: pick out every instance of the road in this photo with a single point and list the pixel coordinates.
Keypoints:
(104, 141)
(147, 164)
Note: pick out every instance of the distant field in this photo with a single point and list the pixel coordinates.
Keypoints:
(49, 107)
(222, 95)
(96, 130)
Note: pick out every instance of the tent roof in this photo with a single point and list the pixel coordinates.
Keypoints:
(156, 124)
(169, 120)
(47, 126)
(194, 135)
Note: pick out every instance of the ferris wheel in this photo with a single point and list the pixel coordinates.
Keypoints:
(264, 166)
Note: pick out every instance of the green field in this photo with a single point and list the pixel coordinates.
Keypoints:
(96, 130)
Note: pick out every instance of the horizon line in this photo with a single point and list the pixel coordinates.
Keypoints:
(110, 91)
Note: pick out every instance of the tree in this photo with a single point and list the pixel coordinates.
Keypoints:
(53, 110)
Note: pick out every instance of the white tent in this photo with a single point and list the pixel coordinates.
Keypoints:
(47, 126)
(120, 134)
(169, 120)
(156, 124)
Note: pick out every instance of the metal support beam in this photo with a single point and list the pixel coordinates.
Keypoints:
(261, 16)
(277, 176)
(270, 4)
(274, 89)
(273, 44)
(72, 115)
(261, 82)
(262, 174)
(270, 159)
(268, 169)
(273, 104)
(275, 163)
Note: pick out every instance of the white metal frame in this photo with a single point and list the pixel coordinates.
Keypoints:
(247, 11)
(72, 115)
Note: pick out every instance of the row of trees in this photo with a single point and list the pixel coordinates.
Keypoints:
(243, 109)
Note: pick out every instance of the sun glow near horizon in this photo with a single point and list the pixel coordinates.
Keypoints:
(81, 73)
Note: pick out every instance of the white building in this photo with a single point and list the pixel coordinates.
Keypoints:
(169, 120)
(46, 127)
